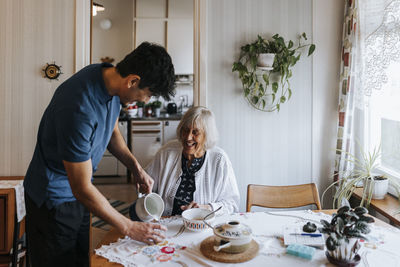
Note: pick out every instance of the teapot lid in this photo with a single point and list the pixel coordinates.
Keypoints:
(232, 230)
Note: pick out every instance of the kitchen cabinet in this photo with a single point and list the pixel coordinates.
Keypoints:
(170, 24)
(110, 165)
(146, 140)
(147, 137)
(169, 130)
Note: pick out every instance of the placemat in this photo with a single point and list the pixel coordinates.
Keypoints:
(207, 249)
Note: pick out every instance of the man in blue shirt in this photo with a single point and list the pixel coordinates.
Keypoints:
(78, 125)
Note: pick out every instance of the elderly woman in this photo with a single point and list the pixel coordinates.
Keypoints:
(193, 172)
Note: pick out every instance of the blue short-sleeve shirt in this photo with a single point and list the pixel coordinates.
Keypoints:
(76, 126)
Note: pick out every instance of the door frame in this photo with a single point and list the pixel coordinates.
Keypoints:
(83, 20)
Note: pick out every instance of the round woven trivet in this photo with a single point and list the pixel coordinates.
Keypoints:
(207, 248)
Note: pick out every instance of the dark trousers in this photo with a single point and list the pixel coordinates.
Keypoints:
(57, 237)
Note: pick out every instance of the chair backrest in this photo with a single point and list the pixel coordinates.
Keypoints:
(290, 196)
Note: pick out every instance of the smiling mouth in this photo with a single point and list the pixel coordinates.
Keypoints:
(190, 144)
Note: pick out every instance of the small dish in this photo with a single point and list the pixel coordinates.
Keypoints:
(193, 219)
(265, 68)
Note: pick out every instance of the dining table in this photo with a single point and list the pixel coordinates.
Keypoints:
(182, 248)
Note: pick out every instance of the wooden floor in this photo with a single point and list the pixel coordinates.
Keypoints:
(122, 191)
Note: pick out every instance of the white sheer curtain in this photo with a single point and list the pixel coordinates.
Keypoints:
(380, 36)
(369, 88)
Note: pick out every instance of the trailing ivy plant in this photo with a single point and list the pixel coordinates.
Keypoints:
(256, 82)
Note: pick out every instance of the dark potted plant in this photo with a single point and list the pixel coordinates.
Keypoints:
(266, 88)
(157, 108)
(140, 108)
(343, 233)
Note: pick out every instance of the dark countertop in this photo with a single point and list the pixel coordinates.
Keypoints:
(163, 117)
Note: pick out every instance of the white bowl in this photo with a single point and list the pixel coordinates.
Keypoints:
(132, 112)
(193, 219)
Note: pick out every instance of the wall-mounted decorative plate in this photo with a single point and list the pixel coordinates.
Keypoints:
(52, 71)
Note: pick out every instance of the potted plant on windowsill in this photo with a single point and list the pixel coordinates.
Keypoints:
(375, 186)
(268, 86)
(380, 186)
(343, 233)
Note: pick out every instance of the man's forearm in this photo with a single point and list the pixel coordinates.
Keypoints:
(96, 203)
(79, 176)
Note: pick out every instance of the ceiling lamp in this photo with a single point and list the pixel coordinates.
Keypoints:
(97, 8)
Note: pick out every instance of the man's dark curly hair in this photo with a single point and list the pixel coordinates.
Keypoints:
(154, 66)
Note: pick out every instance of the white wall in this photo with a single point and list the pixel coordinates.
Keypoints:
(294, 145)
(117, 41)
(32, 33)
(327, 33)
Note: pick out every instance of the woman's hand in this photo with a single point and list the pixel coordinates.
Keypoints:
(149, 233)
(195, 205)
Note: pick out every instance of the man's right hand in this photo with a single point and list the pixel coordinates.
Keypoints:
(148, 233)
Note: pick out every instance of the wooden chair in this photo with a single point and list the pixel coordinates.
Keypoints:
(291, 196)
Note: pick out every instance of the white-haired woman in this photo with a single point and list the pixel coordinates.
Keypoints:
(193, 172)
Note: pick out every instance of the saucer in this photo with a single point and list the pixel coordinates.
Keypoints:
(265, 68)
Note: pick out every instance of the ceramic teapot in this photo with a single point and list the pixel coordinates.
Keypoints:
(232, 237)
(149, 207)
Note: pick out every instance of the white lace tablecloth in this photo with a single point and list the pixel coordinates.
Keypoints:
(184, 250)
(19, 195)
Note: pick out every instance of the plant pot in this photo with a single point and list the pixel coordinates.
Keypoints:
(157, 112)
(140, 112)
(265, 60)
(343, 263)
(380, 188)
(346, 251)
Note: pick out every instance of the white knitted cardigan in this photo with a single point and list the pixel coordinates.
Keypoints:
(215, 181)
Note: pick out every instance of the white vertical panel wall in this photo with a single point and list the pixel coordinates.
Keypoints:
(327, 34)
(32, 33)
(273, 148)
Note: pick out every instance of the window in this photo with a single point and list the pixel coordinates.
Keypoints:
(380, 55)
(383, 121)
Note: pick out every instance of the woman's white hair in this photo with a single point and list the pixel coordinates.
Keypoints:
(203, 118)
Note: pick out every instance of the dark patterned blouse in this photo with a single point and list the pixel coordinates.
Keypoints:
(184, 194)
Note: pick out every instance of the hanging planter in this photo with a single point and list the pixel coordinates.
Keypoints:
(266, 85)
(265, 60)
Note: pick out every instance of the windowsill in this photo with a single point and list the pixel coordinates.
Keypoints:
(387, 206)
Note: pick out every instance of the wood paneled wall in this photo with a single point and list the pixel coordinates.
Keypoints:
(32, 33)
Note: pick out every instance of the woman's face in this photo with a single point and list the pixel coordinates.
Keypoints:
(193, 139)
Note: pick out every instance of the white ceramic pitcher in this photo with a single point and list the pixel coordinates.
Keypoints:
(149, 207)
